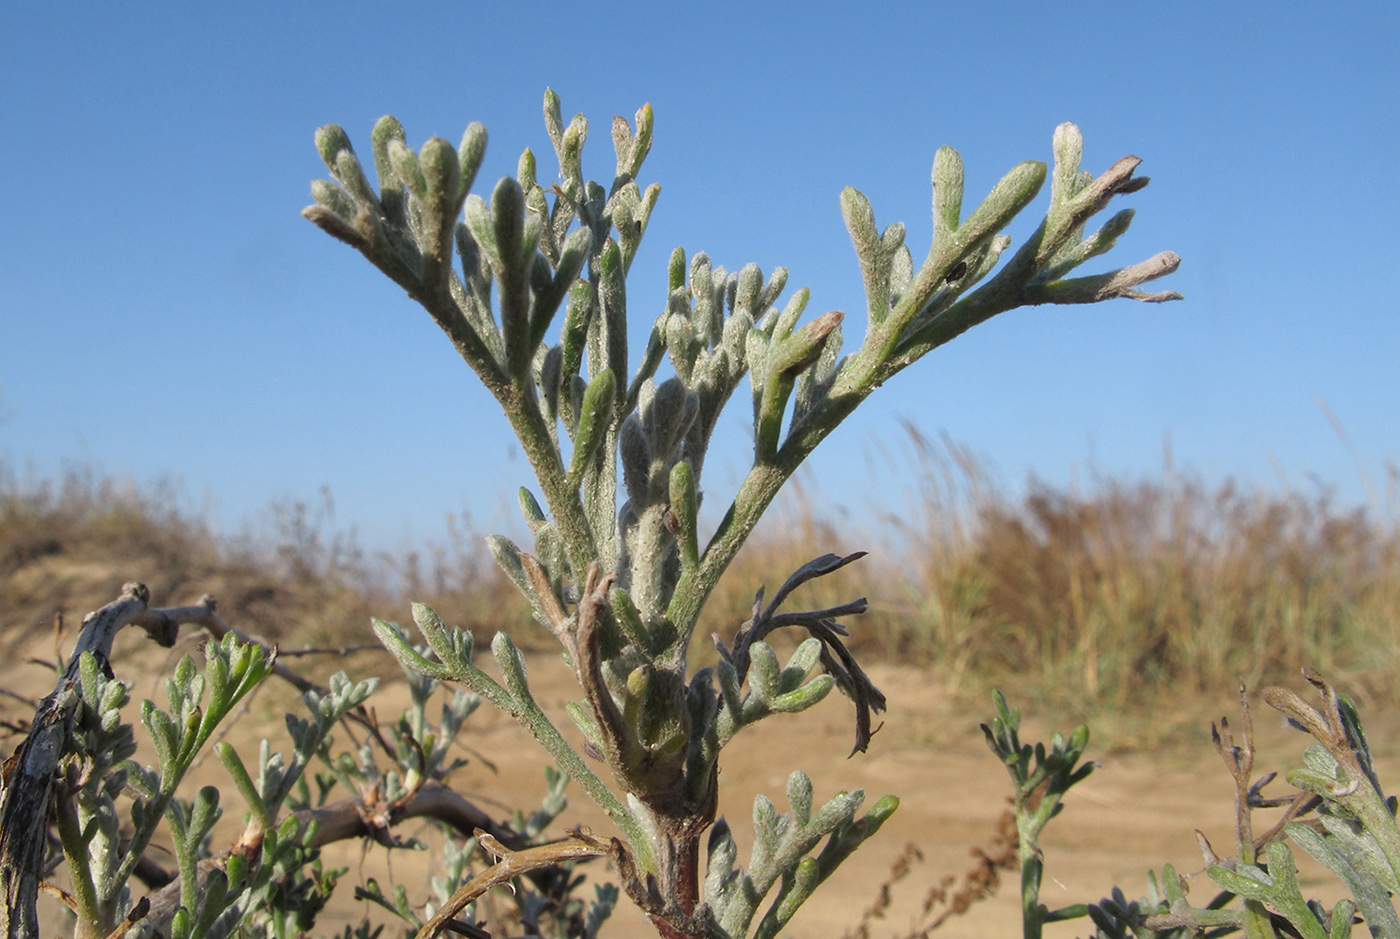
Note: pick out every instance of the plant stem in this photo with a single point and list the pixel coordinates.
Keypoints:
(565, 504)
(91, 923)
(1032, 869)
(544, 731)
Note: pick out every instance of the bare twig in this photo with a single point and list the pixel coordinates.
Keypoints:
(579, 846)
(1298, 806)
(59, 894)
(1120, 283)
(1239, 760)
(24, 817)
(353, 818)
(22, 699)
(330, 650)
(33, 770)
(138, 913)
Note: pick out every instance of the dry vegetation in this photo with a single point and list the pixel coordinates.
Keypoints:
(1129, 591)
(1111, 598)
(1116, 602)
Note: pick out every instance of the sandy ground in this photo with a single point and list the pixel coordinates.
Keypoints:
(1137, 811)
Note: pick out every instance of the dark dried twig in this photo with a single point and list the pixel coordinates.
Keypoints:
(33, 770)
(836, 660)
(1299, 805)
(1239, 760)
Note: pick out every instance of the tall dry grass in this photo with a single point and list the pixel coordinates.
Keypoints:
(1129, 593)
(1117, 596)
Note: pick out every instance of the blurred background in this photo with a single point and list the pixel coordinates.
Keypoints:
(200, 387)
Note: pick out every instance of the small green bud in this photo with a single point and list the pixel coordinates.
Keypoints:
(236, 869)
(406, 168)
(204, 813)
(512, 666)
(571, 146)
(442, 173)
(331, 196)
(330, 140)
(860, 223)
(1078, 740)
(388, 130)
(947, 191)
(763, 671)
(180, 924)
(593, 420)
(348, 172)
(508, 219)
(799, 792)
(629, 618)
(838, 810)
(730, 691)
(577, 317)
(432, 628)
(470, 153)
(684, 509)
(637, 680)
(765, 822)
(553, 122)
(622, 142)
(530, 509)
(800, 699)
(1068, 145)
(1008, 197)
(612, 290)
(631, 154)
(478, 219)
(750, 287)
(675, 270)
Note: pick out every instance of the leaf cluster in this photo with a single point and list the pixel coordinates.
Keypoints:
(1337, 814)
(621, 577)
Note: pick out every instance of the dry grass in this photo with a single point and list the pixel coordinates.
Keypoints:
(1134, 591)
(67, 546)
(941, 901)
(1113, 599)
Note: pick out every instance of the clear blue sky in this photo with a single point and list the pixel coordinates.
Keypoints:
(164, 311)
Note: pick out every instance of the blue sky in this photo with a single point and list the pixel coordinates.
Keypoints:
(165, 312)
